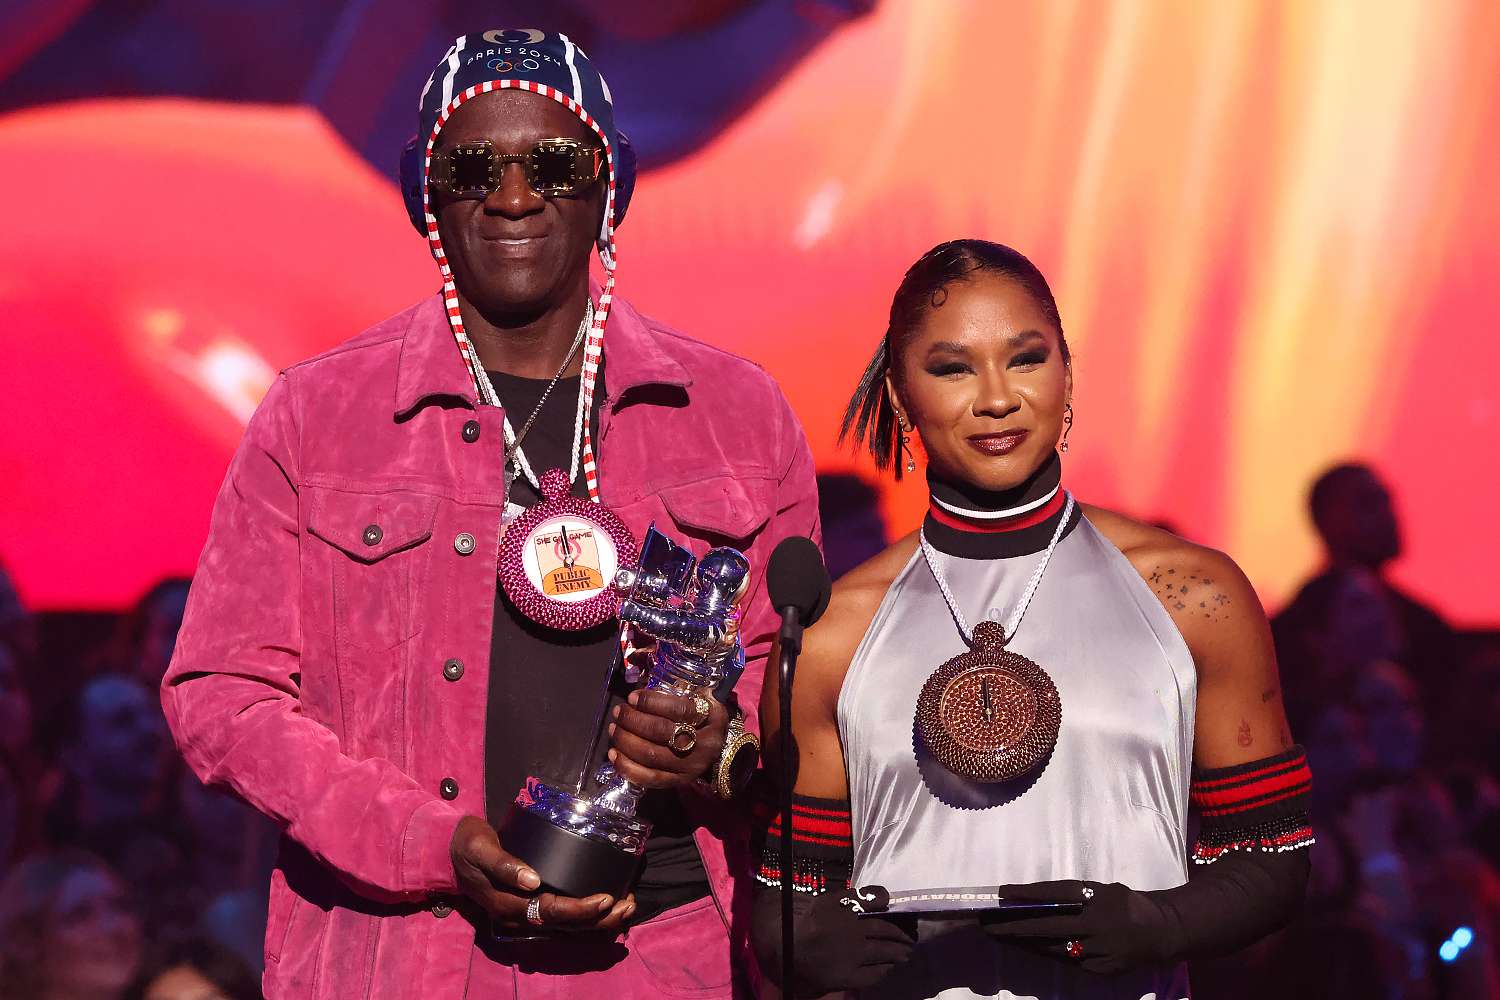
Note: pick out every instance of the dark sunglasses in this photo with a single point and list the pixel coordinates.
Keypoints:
(553, 167)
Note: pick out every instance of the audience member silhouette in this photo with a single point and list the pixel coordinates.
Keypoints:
(1351, 615)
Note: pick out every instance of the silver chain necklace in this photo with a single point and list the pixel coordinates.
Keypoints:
(513, 453)
(1021, 606)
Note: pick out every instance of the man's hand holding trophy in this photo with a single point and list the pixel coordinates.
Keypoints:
(587, 838)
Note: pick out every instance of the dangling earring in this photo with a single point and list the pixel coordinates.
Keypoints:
(911, 460)
(1067, 427)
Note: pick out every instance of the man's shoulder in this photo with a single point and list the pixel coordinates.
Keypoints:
(701, 360)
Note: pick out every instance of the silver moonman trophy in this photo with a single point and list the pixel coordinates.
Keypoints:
(581, 844)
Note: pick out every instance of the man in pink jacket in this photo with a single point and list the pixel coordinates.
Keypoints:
(346, 663)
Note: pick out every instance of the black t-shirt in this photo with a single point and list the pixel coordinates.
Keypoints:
(547, 687)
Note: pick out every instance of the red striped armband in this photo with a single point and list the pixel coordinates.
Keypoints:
(1259, 806)
(822, 843)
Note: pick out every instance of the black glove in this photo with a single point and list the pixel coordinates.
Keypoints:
(1226, 906)
(835, 950)
(1118, 929)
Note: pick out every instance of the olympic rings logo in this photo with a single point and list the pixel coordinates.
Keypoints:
(502, 65)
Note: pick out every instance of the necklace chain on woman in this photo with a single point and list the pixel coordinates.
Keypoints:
(513, 452)
(1022, 605)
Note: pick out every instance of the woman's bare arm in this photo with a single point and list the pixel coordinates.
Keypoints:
(835, 950)
(827, 650)
(1240, 717)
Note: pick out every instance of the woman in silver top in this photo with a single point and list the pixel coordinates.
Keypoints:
(1017, 703)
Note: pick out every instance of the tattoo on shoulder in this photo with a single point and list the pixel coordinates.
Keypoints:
(1245, 739)
(1193, 593)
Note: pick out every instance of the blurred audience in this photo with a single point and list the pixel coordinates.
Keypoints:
(116, 768)
(106, 841)
(23, 782)
(230, 845)
(1395, 721)
(196, 969)
(1399, 729)
(237, 921)
(147, 634)
(18, 631)
(22, 778)
(68, 930)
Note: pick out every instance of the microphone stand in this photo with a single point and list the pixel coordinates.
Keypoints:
(790, 646)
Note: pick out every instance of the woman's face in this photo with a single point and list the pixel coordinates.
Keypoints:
(94, 941)
(983, 381)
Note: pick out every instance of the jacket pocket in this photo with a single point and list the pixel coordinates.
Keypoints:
(377, 562)
(279, 916)
(685, 953)
(727, 508)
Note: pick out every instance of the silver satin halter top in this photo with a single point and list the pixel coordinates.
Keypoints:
(1110, 805)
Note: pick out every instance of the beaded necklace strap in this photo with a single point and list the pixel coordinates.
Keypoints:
(1020, 610)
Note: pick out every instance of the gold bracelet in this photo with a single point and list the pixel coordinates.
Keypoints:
(734, 768)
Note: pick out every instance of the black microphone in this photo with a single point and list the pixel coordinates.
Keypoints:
(798, 585)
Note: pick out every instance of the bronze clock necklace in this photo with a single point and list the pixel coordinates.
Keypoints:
(990, 714)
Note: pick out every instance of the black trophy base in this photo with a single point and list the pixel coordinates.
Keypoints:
(568, 863)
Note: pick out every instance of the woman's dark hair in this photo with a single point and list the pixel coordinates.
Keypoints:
(870, 415)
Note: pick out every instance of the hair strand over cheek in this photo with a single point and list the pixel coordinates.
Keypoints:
(871, 416)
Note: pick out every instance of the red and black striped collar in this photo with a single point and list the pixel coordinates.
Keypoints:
(978, 524)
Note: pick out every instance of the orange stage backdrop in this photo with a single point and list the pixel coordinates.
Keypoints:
(1272, 230)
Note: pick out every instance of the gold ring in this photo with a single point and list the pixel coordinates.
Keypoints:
(684, 738)
(704, 708)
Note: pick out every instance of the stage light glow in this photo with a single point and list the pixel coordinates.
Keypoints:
(144, 322)
(1459, 940)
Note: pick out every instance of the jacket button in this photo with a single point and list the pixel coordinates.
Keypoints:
(373, 534)
(471, 431)
(441, 910)
(453, 669)
(449, 789)
(463, 544)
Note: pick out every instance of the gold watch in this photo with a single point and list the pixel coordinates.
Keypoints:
(738, 760)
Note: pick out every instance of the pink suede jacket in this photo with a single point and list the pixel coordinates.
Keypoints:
(309, 675)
